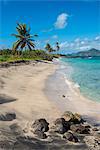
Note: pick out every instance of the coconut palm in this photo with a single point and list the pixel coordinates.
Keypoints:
(57, 46)
(49, 48)
(24, 38)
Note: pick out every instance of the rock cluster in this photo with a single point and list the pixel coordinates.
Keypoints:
(70, 127)
(60, 135)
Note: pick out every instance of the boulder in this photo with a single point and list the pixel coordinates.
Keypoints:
(60, 121)
(70, 137)
(72, 118)
(60, 126)
(7, 116)
(68, 115)
(78, 128)
(40, 125)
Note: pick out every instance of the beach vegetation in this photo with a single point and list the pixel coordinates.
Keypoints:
(7, 55)
(24, 47)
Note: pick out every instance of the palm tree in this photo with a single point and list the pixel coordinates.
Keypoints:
(57, 46)
(49, 48)
(24, 38)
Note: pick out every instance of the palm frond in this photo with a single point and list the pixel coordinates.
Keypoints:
(18, 30)
(18, 36)
(29, 47)
(20, 26)
(35, 35)
(17, 44)
(31, 39)
(31, 44)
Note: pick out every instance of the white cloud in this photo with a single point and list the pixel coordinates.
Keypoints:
(97, 38)
(77, 40)
(64, 45)
(61, 21)
(54, 37)
(80, 44)
(72, 45)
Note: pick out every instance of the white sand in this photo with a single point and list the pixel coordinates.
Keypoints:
(26, 84)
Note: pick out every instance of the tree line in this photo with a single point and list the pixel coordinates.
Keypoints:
(26, 40)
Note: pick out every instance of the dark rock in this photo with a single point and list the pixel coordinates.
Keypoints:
(60, 121)
(78, 128)
(60, 126)
(7, 117)
(87, 126)
(40, 125)
(63, 96)
(70, 137)
(40, 134)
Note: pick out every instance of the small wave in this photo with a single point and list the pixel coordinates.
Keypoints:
(77, 85)
(62, 67)
(55, 60)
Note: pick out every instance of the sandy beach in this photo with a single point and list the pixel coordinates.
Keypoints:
(37, 92)
(34, 91)
(25, 84)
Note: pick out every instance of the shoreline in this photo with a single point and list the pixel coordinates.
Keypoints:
(74, 100)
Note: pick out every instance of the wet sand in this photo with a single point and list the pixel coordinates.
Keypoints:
(58, 85)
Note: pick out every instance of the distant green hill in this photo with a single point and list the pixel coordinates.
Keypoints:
(90, 53)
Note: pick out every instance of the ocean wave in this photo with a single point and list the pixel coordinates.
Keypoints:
(77, 85)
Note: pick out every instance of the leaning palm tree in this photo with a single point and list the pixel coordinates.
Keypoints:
(24, 38)
(48, 48)
(57, 46)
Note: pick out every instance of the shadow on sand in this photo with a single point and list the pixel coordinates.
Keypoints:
(6, 99)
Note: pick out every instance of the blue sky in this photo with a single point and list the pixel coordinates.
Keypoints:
(75, 24)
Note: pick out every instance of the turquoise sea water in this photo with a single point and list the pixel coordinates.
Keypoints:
(86, 74)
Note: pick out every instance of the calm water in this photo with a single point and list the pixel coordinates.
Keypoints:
(86, 75)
